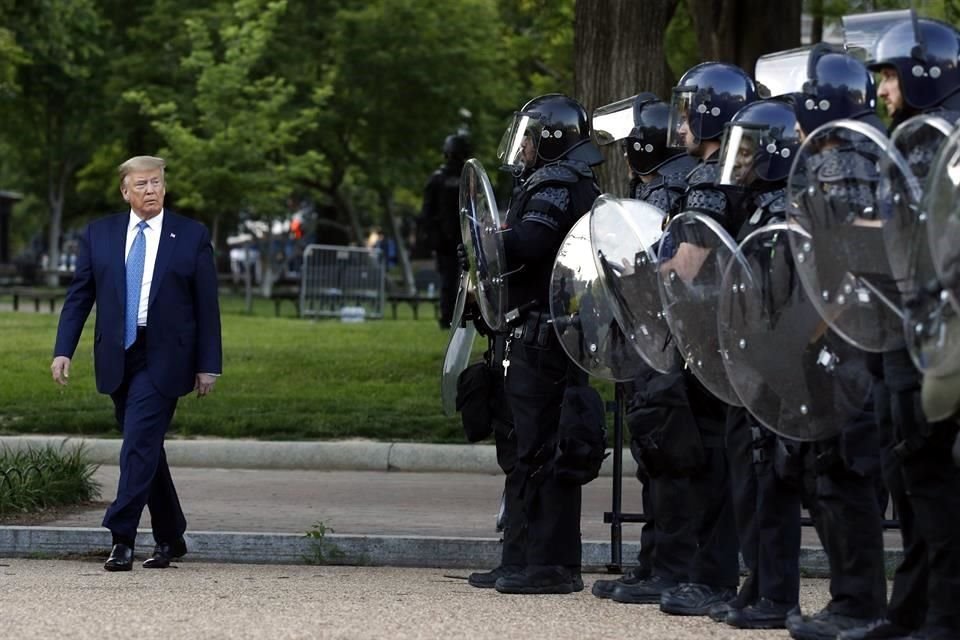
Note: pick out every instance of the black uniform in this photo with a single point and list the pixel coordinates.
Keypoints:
(441, 213)
(668, 539)
(766, 499)
(543, 209)
(715, 562)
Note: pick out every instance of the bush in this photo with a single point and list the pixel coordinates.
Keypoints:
(39, 478)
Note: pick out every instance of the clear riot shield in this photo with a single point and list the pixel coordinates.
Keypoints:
(582, 312)
(861, 30)
(459, 347)
(480, 227)
(790, 371)
(625, 235)
(694, 253)
(846, 185)
(943, 224)
(930, 326)
(783, 72)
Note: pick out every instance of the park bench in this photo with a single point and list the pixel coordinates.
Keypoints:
(37, 294)
(281, 292)
(414, 300)
(427, 284)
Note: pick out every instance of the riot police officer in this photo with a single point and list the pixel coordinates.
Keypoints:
(441, 213)
(549, 150)
(917, 61)
(759, 146)
(668, 540)
(842, 473)
(706, 98)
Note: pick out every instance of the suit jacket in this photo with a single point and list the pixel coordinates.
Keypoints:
(183, 316)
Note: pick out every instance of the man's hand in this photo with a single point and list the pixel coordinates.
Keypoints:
(61, 370)
(204, 384)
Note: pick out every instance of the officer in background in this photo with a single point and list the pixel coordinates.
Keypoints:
(843, 473)
(668, 539)
(549, 150)
(706, 98)
(441, 215)
(917, 63)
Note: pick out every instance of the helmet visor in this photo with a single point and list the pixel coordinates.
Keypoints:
(518, 147)
(679, 126)
(614, 121)
(743, 154)
(862, 30)
(783, 72)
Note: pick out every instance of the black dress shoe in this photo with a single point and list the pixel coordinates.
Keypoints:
(538, 580)
(164, 552)
(488, 579)
(764, 614)
(121, 558)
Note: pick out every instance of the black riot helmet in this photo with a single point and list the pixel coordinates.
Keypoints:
(924, 53)
(646, 146)
(456, 148)
(838, 86)
(706, 98)
(759, 143)
(640, 123)
(547, 129)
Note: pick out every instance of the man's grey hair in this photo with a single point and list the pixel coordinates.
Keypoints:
(140, 163)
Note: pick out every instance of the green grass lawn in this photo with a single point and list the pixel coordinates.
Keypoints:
(283, 378)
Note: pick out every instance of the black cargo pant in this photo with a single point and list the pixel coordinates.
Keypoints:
(549, 518)
(678, 427)
(847, 512)
(924, 485)
(668, 540)
(767, 510)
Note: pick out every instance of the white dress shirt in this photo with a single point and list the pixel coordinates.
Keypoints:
(152, 235)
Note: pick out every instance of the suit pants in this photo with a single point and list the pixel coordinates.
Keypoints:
(144, 416)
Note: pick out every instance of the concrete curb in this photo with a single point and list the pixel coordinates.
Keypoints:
(348, 455)
(367, 550)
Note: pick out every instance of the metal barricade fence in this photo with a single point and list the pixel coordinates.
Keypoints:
(334, 277)
(616, 517)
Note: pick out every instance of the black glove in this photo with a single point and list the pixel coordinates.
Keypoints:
(462, 258)
(471, 313)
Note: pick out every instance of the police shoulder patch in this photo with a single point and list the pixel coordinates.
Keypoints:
(552, 174)
(549, 198)
(706, 199)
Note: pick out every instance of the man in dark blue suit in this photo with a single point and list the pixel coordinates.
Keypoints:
(157, 337)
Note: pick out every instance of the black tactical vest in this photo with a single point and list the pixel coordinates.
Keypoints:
(668, 187)
(559, 194)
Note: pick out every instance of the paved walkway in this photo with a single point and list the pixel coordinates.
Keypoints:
(360, 502)
(68, 599)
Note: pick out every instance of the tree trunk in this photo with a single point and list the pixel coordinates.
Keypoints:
(619, 53)
(729, 30)
(343, 203)
(816, 27)
(56, 194)
(386, 200)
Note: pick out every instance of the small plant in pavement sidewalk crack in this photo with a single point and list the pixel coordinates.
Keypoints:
(322, 551)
